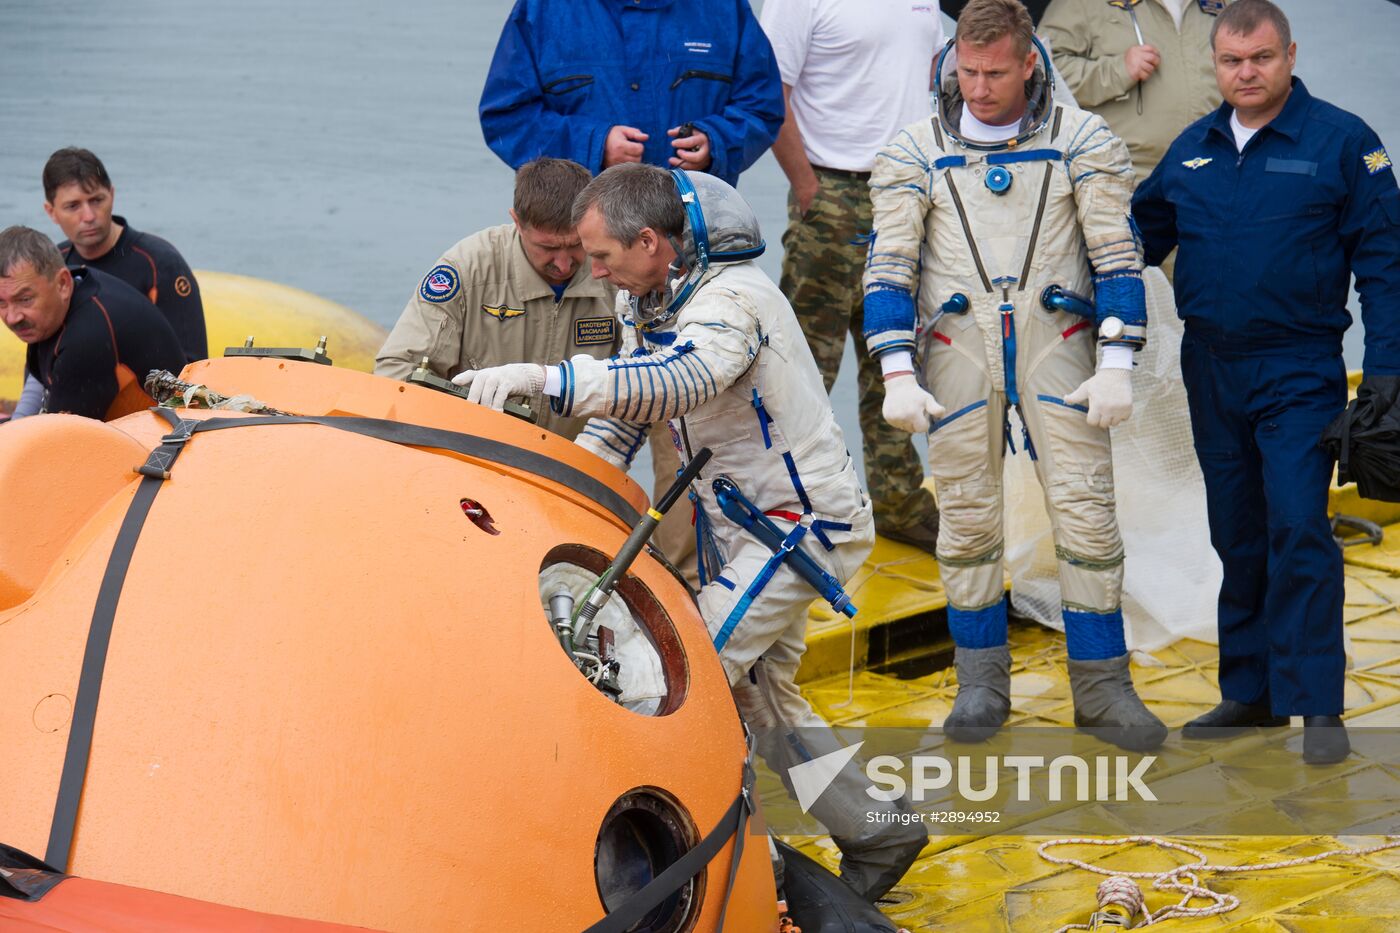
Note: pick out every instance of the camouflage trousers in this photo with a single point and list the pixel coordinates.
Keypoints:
(823, 261)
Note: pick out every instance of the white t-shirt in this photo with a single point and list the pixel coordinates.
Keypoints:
(1243, 134)
(859, 71)
(969, 127)
(1177, 8)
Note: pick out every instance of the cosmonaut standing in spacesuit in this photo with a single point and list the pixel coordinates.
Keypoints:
(998, 213)
(711, 346)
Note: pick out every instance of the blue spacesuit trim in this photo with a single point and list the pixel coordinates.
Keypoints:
(621, 452)
(1059, 401)
(662, 338)
(1094, 636)
(978, 628)
(1121, 295)
(949, 419)
(888, 308)
(878, 349)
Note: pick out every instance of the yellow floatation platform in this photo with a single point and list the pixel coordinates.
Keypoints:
(1000, 882)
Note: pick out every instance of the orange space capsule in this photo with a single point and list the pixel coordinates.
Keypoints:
(322, 688)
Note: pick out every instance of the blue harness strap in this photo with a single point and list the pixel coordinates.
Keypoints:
(1003, 158)
(1025, 155)
(1008, 350)
(770, 567)
(764, 419)
(785, 551)
(708, 561)
(819, 526)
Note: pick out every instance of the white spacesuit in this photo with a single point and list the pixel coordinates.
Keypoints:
(720, 358)
(998, 241)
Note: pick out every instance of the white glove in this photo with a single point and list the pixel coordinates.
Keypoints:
(907, 406)
(491, 387)
(1109, 393)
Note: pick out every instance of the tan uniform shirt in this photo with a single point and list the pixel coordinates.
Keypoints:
(483, 305)
(1087, 40)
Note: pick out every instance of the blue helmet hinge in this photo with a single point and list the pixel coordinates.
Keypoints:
(696, 217)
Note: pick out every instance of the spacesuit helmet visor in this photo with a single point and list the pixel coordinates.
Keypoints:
(720, 226)
(948, 99)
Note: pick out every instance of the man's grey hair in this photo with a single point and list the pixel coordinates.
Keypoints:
(25, 244)
(1244, 16)
(631, 197)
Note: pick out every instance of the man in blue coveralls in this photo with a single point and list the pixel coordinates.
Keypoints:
(687, 84)
(1274, 200)
(690, 85)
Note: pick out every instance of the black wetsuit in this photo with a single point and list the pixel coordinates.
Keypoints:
(110, 339)
(157, 270)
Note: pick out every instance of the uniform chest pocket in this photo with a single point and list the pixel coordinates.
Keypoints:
(694, 79)
(1116, 37)
(1290, 190)
(1290, 167)
(567, 90)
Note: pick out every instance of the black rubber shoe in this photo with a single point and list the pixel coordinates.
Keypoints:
(1325, 740)
(1231, 718)
(923, 536)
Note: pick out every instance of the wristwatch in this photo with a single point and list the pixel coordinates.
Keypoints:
(1111, 328)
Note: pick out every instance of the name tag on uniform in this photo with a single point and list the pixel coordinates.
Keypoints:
(590, 331)
(1291, 166)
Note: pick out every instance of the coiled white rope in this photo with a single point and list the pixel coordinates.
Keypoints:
(1121, 890)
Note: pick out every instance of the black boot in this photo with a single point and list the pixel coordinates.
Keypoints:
(922, 535)
(1325, 740)
(1231, 718)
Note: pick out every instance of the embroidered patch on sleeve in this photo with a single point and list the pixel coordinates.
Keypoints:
(591, 331)
(1376, 161)
(183, 286)
(440, 284)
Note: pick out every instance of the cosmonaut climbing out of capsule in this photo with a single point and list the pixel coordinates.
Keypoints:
(712, 348)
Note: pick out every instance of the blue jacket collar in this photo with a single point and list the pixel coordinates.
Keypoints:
(1289, 122)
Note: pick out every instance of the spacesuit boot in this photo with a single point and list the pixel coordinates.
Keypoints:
(877, 844)
(1107, 707)
(984, 693)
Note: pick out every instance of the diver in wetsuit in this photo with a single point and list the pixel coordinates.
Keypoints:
(78, 196)
(92, 338)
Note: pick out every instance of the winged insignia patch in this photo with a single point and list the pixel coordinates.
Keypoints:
(1194, 164)
(503, 313)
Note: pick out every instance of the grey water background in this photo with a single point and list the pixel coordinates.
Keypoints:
(335, 146)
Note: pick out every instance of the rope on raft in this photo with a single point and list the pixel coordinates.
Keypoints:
(1120, 894)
